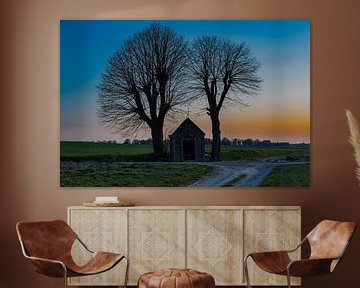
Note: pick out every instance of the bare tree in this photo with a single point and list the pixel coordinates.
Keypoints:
(223, 72)
(143, 83)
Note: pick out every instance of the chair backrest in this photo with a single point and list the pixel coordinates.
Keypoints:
(329, 239)
(46, 239)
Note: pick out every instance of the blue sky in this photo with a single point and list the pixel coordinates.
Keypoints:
(281, 46)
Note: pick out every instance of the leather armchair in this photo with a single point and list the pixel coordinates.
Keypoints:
(328, 242)
(48, 245)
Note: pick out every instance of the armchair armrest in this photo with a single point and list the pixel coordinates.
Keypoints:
(298, 246)
(84, 245)
(279, 252)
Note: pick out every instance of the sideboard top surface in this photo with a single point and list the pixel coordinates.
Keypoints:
(193, 207)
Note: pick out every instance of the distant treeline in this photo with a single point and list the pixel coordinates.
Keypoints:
(224, 141)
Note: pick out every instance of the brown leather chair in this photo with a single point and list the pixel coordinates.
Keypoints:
(328, 242)
(48, 245)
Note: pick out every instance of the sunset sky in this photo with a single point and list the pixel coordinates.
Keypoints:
(281, 111)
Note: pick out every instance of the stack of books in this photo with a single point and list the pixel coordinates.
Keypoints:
(106, 199)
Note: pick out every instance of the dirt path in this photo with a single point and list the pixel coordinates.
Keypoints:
(240, 173)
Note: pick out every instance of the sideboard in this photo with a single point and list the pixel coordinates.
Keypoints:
(212, 239)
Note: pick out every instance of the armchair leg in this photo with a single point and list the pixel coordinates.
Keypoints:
(65, 275)
(246, 270)
(127, 271)
(288, 278)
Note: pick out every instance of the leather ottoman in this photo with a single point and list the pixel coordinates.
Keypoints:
(176, 278)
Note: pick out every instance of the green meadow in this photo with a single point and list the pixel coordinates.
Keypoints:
(92, 164)
(134, 175)
(229, 153)
(294, 175)
(80, 151)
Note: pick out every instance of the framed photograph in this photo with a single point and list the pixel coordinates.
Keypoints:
(185, 103)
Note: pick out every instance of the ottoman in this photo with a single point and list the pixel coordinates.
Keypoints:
(176, 278)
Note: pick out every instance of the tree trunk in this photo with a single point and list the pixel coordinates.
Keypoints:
(216, 135)
(158, 144)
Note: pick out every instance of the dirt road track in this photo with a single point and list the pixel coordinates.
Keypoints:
(252, 173)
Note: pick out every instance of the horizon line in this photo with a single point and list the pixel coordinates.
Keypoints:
(122, 141)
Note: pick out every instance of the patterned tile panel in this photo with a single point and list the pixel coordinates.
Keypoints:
(213, 246)
(156, 246)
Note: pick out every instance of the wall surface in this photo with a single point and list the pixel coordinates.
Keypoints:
(29, 119)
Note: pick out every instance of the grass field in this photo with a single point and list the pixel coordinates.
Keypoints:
(250, 153)
(104, 151)
(90, 164)
(294, 175)
(78, 151)
(133, 175)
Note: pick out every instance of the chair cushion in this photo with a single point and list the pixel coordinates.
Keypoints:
(272, 262)
(99, 262)
(176, 278)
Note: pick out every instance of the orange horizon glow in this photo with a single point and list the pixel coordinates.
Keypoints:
(287, 127)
